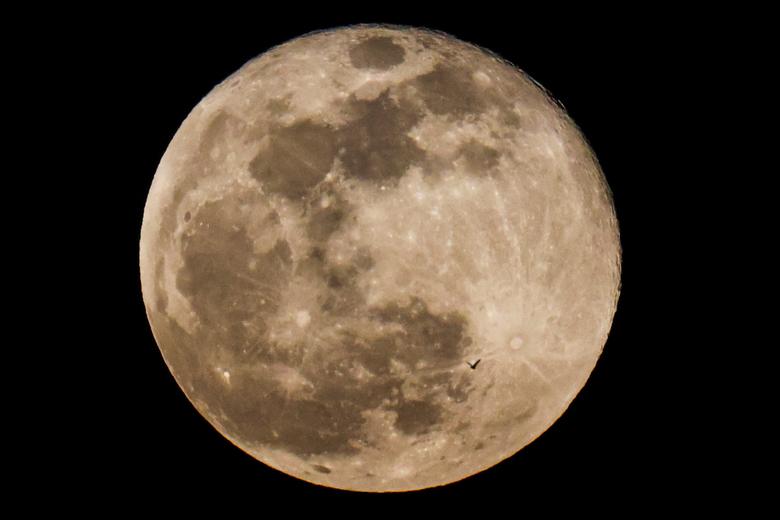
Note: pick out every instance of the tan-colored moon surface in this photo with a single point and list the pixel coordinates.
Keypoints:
(341, 225)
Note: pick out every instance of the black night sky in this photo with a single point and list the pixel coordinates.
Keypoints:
(626, 436)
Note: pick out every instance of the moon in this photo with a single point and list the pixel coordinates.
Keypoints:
(338, 229)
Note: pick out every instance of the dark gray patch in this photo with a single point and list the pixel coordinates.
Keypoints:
(480, 158)
(344, 297)
(278, 106)
(378, 52)
(341, 276)
(458, 392)
(363, 259)
(375, 145)
(273, 217)
(426, 336)
(527, 413)
(317, 254)
(187, 216)
(478, 446)
(217, 280)
(510, 118)
(461, 426)
(436, 340)
(416, 417)
(450, 90)
(297, 158)
(177, 345)
(311, 266)
(320, 468)
(328, 423)
(305, 427)
(280, 251)
(218, 128)
(159, 286)
(323, 222)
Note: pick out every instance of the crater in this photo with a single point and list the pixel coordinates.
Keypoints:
(320, 468)
(378, 52)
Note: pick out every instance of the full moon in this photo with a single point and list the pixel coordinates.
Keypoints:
(378, 258)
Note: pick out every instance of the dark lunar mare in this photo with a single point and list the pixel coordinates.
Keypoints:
(233, 303)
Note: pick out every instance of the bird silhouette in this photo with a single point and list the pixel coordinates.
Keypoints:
(474, 365)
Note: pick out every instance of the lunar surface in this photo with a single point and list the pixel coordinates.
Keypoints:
(341, 226)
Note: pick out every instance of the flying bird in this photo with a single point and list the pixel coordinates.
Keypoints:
(474, 365)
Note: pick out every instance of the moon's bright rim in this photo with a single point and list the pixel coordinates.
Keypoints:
(488, 230)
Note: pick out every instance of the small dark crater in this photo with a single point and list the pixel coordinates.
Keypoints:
(282, 251)
(340, 277)
(480, 158)
(478, 446)
(461, 426)
(312, 265)
(335, 281)
(278, 106)
(378, 52)
(509, 118)
(187, 216)
(324, 223)
(317, 254)
(363, 259)
(273, 217)
(345, 297)
(321, 469)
